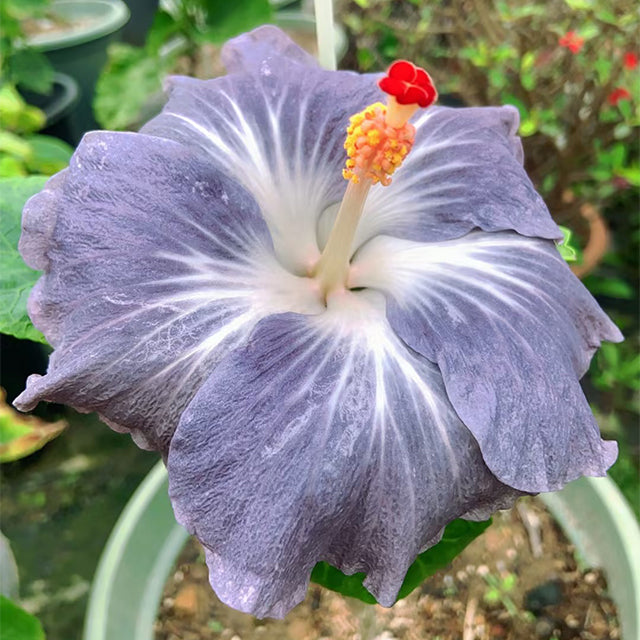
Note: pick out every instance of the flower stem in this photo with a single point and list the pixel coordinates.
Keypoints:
(333, 267)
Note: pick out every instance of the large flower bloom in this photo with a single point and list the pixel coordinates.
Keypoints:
(442, 382)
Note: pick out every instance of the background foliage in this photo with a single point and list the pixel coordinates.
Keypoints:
(571, 69)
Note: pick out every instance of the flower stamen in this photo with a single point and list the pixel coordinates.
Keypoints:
(378, 140)
(375, 149)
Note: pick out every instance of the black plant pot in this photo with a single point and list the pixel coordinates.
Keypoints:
(142, 13)
(78, 46)
(59, 106)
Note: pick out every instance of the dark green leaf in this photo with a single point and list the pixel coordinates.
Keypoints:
(17, 624)
(611, 287)
(16, 278)
(227, 19)
(457, 536)
(31, 69)
(163, 27)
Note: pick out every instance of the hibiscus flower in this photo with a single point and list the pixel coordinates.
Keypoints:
(317, 399)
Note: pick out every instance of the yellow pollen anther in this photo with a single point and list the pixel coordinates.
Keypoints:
(375, 148)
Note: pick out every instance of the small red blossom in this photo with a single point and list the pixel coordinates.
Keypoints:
(619, 93)
(409, 84)
(630, 60)
(572, 41)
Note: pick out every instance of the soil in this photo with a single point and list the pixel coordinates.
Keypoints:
(518, 581)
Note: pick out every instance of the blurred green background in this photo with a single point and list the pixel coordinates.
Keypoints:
(569, 66)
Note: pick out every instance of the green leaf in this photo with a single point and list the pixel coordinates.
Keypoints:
(11, 167)
(131, 72)
(49, 155)
(14, 145)
(215, 626)
(17, 624)
(21, 435)
(528, 80)
(16, 115)
(527, 62)
(227, 19)
(508, 582)
(610, 287)
(589, 30)
(630, 173)
(566, 248)
(9, 579)
(163, 27)
(457, 536)
(528, 127)
(603, 67)
(32, 70)
(16, 278)
(579, 4)
(366, 59)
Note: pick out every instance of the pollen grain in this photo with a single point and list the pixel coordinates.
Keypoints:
(374, 148)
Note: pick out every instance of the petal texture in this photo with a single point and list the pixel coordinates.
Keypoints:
(464, 172)
(249, 51)
(276, 125)
(155, 264)
(512, 330)
(324, 438)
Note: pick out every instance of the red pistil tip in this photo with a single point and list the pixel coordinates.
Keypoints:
(409, 84)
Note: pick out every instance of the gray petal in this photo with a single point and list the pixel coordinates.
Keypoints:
(278, 129)
(512, 330)
(249, 51)
(464, 172)
(324, 438)
(151, 259)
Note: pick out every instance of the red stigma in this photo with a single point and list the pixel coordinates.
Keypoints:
(409, 84)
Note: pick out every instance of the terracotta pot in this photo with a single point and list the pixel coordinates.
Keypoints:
(598, 241)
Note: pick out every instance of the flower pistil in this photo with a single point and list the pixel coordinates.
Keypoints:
(378, 139)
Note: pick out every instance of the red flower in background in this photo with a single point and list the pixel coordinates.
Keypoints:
(572, 41)
(630, 60)
(619, 93)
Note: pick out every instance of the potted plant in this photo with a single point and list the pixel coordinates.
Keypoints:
(74, 36)
(146, 541)
(180, 42)
(29, 71)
